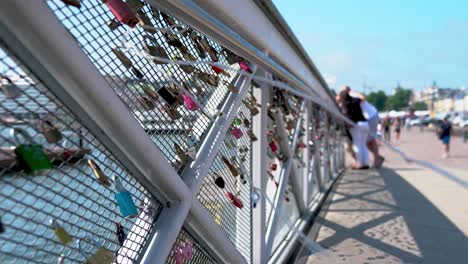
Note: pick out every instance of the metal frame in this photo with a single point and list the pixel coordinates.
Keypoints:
(81, 86)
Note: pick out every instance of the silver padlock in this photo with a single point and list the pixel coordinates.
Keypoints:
(150, 45)
(10, 90)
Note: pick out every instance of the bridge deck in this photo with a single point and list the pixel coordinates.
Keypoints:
(401, 213)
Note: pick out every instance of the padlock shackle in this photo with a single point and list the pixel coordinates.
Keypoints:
(5, 78)
(15, 132)
(151, 39)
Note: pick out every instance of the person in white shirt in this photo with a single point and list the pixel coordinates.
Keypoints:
(372, 116)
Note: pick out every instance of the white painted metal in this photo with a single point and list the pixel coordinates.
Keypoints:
(195, 175)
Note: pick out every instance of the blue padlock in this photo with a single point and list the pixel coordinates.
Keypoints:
(124, 200)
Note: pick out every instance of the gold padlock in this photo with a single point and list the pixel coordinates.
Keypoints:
(100, 176)
(150, 93)
(186, 68)
(101, 256)
(231, 168)
(150, 45)
(122, 58)
(50, 132)
(145, 21)
(208, 48)
(208, 78)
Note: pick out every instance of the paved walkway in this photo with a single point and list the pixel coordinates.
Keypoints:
(400, 213)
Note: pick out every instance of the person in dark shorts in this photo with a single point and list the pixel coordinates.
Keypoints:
(444, 131)
(397, 129)
(386, 123)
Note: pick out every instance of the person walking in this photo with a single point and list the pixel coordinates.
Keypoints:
(397, 126)
(386, 123)
(351, 107)
(444, 131)
(372, 116)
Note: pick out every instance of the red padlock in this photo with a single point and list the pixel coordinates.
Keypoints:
(234, 200)
(273, 146)
(274, 167)
(216, 69)
(122, 12)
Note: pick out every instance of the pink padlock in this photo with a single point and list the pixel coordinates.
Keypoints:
(183, 253)
(122, 12)
(237, 133)
(189, 103)
(243, 65)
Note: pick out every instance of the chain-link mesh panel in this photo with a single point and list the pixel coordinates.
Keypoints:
(229, 181)
(50, 196)
(185, 243)
(147, 87)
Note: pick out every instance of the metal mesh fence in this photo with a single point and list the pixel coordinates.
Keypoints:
(58, 198)
(226, 190)
(153, 91)
(189, 251)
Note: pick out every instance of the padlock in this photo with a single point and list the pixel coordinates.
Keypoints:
(208, 78)
(243, 180)
(75, 3)
(174, 89)
(168, 19)
(101, 256)
(196, 42)
(208, 48)
(183, 157)
(253, 110)
(174, 41)
(113, 24)
(150, 46)
(237, 132)
(135, 5)
(124, 200)
(217, 69)
(255, 196)
(2, 228)
(231, 86)
(149, 92)
(147, 103)
(189, 103)
(50, 132)
(145, 22)
(219, 181)
(137, 73)
(231, 168)
(273, 146)
(273, 166)
(191, 146)
(251, 135)
(122, 12)
(121, 236)
(236, 122)
(172, 113)
(245, 120)
(234, 200)
(186, 68)
(30, 157)
(10, 90)
(243, 65)
(100, 176)
(122, 58)
(60, 232)
(188, 56)
(231, 58)
(183, 252)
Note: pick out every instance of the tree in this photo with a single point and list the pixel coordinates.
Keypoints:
(378, 99)
(420, 106)
(399, 100)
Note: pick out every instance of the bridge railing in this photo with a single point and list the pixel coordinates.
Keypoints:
(218, 148)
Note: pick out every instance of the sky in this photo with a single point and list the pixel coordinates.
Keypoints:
(381, 43)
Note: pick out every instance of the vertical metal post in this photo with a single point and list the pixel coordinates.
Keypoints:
(259, 168)
(306, 157)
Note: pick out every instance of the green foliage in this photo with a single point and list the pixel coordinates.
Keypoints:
(378, 99)
(420, 106)
(399, 101)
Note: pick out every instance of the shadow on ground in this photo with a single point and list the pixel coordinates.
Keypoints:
(378, 217)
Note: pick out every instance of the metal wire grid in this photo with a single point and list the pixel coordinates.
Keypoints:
(236, 223)
(89, 26)
(199, 254)
(68, 192)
